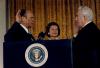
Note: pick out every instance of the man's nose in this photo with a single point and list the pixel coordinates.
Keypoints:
(33, 21)
(75, 18)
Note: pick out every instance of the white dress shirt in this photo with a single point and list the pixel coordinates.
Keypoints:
(86, 24)
(24, 28)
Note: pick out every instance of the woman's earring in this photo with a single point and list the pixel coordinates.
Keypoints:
(48, 33)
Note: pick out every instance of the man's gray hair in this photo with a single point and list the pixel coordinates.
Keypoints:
(86, 11)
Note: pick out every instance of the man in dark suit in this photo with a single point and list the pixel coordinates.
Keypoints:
(19, 31)
(86, 43)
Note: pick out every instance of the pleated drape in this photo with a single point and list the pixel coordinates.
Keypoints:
(45, 11)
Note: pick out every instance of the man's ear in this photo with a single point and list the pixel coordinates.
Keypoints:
(84, 19)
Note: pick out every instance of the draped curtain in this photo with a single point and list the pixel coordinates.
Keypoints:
(61, 11)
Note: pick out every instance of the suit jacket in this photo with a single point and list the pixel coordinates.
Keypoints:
(86, 47)
(17, 34)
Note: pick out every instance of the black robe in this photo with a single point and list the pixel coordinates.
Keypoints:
(86, 47)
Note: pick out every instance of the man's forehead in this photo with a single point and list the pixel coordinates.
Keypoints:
(78, 13)
(29, 12)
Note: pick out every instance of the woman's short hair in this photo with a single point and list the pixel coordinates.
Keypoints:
(49, 26)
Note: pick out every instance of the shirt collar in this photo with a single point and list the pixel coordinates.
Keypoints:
(87, 23)
(57, 38)
(24, 28)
